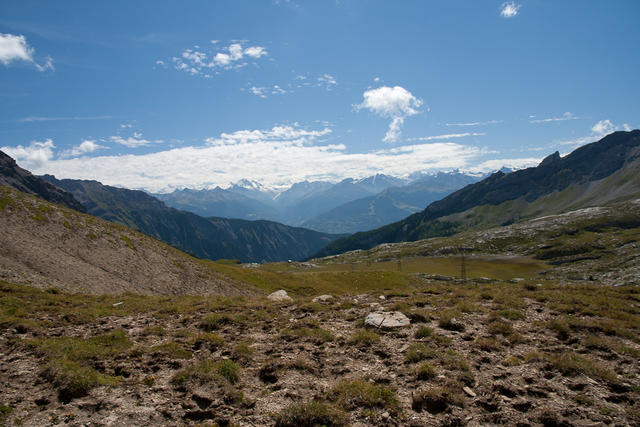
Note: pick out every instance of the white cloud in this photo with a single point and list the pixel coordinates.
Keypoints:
(134, 141)
(197, 62)
(16, 48)
(566, 116)
(395, 103)
(496, 164)
(258, 91)
(33, 156)
(328, 81)
(276, 157)
(447, 136)
(602, 128)
(598, 131)
(85, 147)
(509, 9)
(626, 127)
(490, 122)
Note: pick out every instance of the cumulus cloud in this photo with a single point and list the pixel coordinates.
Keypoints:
(196, 61)
(566, 116)
(276, 157)
(509, 9)
(395, 103)
(85, 147)
(33, 156)
(15, 48)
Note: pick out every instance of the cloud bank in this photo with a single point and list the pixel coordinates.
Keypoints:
(276, 157)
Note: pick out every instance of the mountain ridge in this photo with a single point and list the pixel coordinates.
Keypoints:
(589, 163)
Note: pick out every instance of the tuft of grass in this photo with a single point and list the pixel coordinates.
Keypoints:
(229, 370)
(364, 338)
(209, 340)
(423, 332)
(560, 327)
(128, 242)
(310, 414)
(571, 364)
(500, 328)
(314, 334)
(172, 350)
(436, 400)
(242, 353)
(448, 320)
(425, 371)
(207, 371)
(352, 394)
(487, 344)
(74, 380)
(418, 352)
(218, 320)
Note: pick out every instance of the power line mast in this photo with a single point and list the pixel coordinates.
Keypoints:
(463, 265)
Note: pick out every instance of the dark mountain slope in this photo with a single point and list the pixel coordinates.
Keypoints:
(591, 163)
(211, 238)
(12, 175)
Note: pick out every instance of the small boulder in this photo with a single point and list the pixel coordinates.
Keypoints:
(323, 298)
(280, 295)
(386, 320)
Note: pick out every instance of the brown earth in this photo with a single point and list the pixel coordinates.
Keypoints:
(47, 245)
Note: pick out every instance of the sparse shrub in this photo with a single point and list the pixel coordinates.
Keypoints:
(216, 321)
(425, 371)
(228, 370)
(209, 340)
(487, 344)
(207, 371)
(511, 361)
(500, 328)
(448, 320)
(423, 332)
(311, 414)
(242, 353)
(74, 380)
(364, 338)
(435, 400)
(571, 364)
(534, 356)
(173, 350)
(418, 352)
(351, 394)
(560, 327)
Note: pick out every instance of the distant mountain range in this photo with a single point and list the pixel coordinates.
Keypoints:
(599, 173)
(348, 206)
(211, 238)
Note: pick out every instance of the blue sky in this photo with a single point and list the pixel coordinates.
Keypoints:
(161, 95)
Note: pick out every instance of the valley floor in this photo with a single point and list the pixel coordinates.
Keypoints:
(513, 353)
